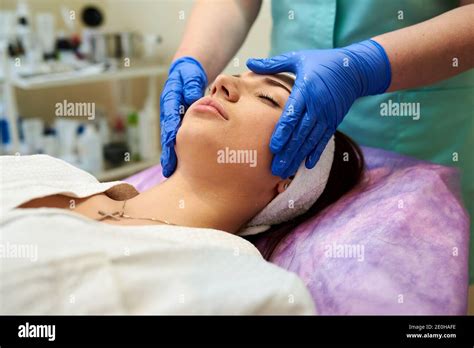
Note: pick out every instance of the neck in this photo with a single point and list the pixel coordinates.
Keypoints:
(195, 203)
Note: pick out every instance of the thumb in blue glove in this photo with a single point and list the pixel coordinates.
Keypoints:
(186, 83)
(327, 84)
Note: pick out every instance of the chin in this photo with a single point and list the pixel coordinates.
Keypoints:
(196, 147)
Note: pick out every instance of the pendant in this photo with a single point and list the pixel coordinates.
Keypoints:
(108, 215)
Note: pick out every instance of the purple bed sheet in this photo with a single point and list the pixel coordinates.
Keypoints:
(395, 244)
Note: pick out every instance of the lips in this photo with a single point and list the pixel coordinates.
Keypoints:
(212, 103)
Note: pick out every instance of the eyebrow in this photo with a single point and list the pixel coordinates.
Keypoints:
(276, 83)
(270, 81)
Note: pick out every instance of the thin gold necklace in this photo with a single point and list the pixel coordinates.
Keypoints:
(121, 214)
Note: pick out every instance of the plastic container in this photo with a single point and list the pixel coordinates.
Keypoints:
(66, 132)
(148, 129)
(50, 142)
(133, 140)
(33, 135)
(89, 149)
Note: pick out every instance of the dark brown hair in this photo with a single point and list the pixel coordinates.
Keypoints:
(346, 172)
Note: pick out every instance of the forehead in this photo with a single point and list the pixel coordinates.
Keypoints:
(283, 78)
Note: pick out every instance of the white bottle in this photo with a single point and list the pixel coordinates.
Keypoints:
(148, 127)
(66, 130)
(89, 148)
(104, 131)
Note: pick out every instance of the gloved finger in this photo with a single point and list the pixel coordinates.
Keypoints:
(300, 134)
(168, 160)
(167, 134)
(194, 83)
(294, 109)
(281, 165)
(283, 159)
(171, 121)
(273, 65)
(315, 155)
(171, 104)
(306, 147)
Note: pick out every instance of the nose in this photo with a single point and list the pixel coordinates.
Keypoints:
(226, 87)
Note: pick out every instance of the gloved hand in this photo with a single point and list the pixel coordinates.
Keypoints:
(186, 83)
(327, 84)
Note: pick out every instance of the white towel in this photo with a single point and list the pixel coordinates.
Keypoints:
(301, 194)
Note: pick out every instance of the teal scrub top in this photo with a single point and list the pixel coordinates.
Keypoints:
(443, 132)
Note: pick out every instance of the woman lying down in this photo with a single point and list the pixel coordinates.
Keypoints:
(74, 245)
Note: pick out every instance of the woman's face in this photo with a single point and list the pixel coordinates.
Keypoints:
(229, 142)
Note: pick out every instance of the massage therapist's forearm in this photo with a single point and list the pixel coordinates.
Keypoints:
(215, 31)
(423, 54)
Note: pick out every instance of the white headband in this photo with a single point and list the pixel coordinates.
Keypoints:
(301, 194)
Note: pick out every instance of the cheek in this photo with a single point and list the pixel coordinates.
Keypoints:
(259, 136)
(256, 138)
(263, 133)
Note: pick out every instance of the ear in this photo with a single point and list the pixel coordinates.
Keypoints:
(283, 184)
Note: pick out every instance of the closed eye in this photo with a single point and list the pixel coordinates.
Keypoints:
(269, 98)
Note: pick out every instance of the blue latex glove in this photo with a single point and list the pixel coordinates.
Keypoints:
(327, 84)
(186, 83)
